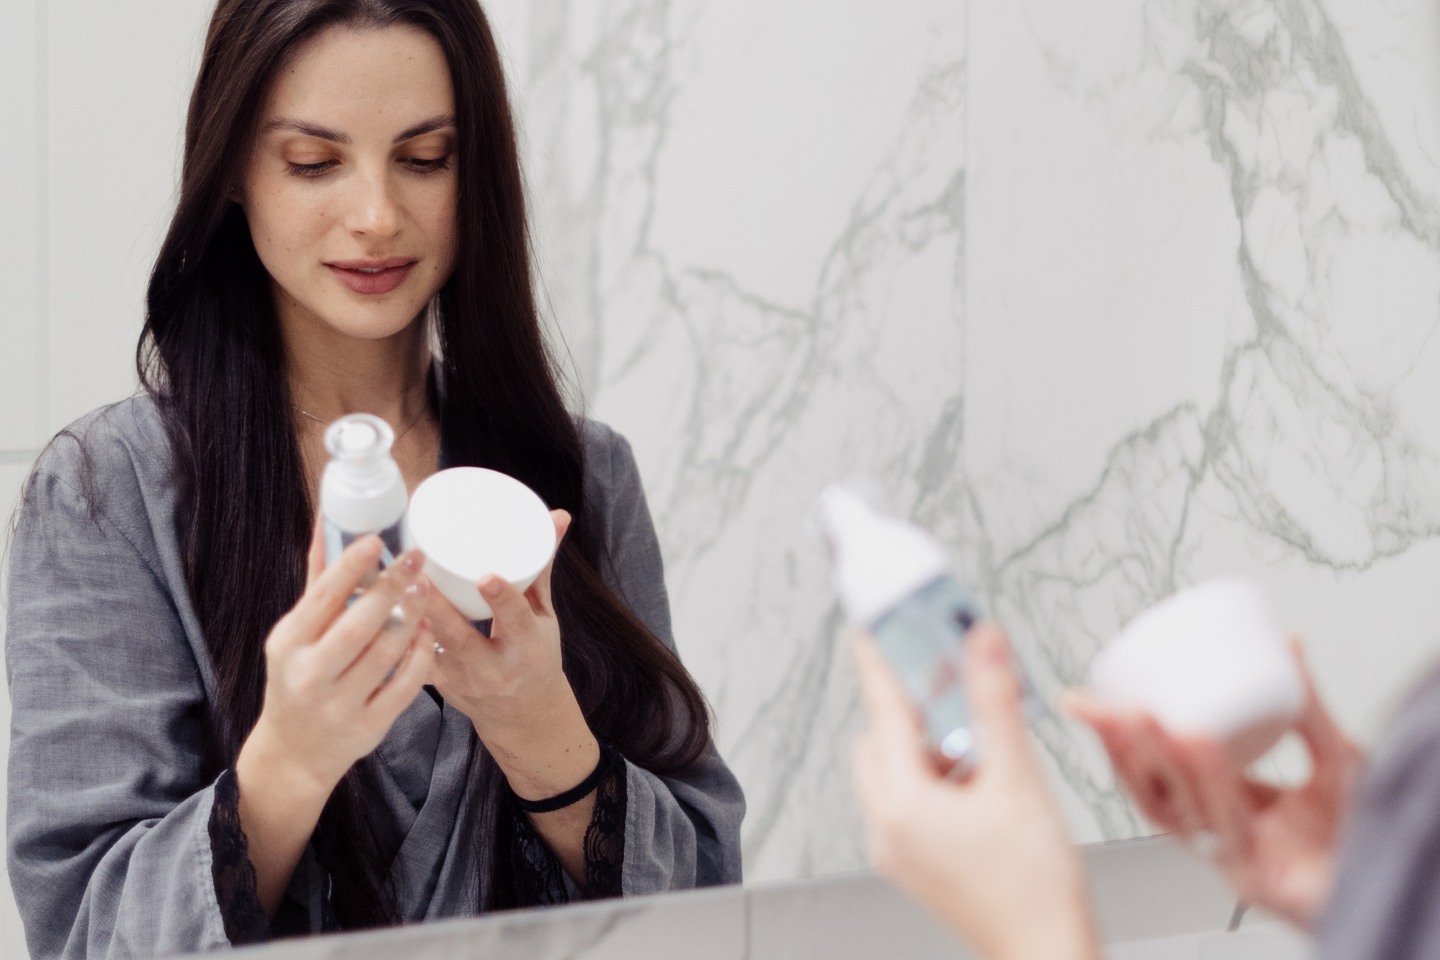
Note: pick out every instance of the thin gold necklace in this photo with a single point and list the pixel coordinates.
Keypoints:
(420, 416)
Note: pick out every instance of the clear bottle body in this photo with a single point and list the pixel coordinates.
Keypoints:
(337, 539)
(923, 639)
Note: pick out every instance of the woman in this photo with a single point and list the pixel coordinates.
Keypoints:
(209, 746)
(1354, 859)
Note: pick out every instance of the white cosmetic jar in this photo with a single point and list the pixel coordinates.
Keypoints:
(473, 523)
(1210, 661)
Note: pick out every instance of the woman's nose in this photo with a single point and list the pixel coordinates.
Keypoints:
(374, 210)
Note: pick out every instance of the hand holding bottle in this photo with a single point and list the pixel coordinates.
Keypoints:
(1275, 846)
(990, 856)
(338, 676)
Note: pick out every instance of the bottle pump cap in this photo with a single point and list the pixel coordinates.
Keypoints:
(879, 561)
(359, 441)
(361, 490)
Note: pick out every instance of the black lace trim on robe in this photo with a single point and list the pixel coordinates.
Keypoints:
(538, 878)
(230, 867)
(536, 874)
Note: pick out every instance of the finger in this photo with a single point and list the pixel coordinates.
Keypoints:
(889, 761)
(997, 698)
(453, 630)
(413, 673)
(539, 591)
(375, 663)
(315, 558)
(354, 630)
(1222, 794)
(1104, 719)
(1082, 705)
(1147, 782)
(1317, 728)
(326, 597)
(890, 711)
(1171, 771)
(513, 613)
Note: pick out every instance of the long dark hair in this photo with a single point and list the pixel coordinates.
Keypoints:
(211, 357)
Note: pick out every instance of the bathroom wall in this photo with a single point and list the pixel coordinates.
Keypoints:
(1113, 296)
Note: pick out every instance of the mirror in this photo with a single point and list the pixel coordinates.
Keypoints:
(1110, 299)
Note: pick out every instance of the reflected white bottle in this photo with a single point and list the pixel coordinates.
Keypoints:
(895, 580)
(362, 490)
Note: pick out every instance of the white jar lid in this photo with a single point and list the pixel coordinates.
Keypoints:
(473, 523)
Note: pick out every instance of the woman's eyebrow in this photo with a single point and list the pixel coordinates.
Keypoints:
(438, 122)
(308, 129)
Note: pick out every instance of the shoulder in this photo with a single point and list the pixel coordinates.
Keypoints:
(601, 440)
(611, 474)
(114, 459)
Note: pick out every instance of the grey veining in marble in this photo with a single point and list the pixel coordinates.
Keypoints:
(1113, 297)
(750, 222)
(1210, 332)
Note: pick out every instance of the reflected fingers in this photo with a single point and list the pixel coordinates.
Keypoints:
(1169, 772)
(1222, 792)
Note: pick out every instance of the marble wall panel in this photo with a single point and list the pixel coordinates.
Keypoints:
(749, 220)
(1203, 297)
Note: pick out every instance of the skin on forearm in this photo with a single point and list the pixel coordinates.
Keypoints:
(280, 805)
(548, 754)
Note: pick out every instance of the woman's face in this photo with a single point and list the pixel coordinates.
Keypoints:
(351, 188)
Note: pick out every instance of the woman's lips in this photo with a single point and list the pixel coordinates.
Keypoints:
(371, 280)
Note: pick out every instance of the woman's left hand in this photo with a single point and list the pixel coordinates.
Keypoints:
(512, 686)
(502, 680)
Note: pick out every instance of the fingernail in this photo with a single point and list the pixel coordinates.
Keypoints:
(419, 588)
(491, 588)
(413, 561)
(371, 547)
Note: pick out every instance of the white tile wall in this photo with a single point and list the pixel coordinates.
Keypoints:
(118, 79)
(20, 215)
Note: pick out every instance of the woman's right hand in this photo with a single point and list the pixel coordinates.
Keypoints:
(338, 676)
(1275, 846)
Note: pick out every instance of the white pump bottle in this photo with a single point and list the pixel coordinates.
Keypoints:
(361, 490)
(895, 580)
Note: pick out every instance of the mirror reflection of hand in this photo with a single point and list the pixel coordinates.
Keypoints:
(1275, 846)
(338, 674)
(510, 680)
(990, 856)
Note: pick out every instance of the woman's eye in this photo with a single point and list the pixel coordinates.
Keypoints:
(310, 169)
(428, 165)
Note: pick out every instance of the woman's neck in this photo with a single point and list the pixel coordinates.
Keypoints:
(331, 374)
